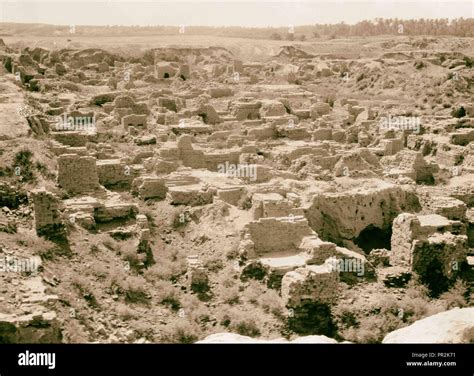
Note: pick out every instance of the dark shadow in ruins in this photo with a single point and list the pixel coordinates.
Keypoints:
(204, 117)
(434, 279)
(312, 318)
(438, 283)
(56, 234)
(374, 238)
(38, 331)
(114, 224)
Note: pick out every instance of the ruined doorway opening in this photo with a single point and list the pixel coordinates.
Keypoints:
(373, 237)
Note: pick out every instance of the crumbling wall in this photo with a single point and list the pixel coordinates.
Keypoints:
(149, 187)
(47, 214)
(316, 283)
(344, 215)
(113, 172)
(189, 156)
(278, 234)
(77, 174)
(431, 246)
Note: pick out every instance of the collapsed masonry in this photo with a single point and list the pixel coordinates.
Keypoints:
(197, 275)
(432, 246)
(334, 196)
(48, 220)
(287, 254)
(360, 215)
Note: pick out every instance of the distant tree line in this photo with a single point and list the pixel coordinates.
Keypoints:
(460, 27)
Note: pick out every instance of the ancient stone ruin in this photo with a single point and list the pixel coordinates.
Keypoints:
(321, 185)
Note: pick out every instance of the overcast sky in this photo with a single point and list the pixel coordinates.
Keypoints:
(225, 12)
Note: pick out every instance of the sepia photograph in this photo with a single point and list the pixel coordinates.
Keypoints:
(237, 172)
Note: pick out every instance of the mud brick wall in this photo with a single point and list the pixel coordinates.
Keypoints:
(114, 173)
(186, 196)
(46, 207)
(71, 138)
(391, 146)
(149, 187)
(262, 133)
(77, 174)
(449, 155)
(231, 195)
(440, 253)
(134, 121)
(214, 160)
(189, 156)
(462, 137)
(314, 284)
(405, 228)
(344, 215)
(415, 246)
(247, 111)
(278, 234)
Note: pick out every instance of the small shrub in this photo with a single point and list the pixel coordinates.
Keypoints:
(213, 263)
(43, 170)
(195, 310)
(272, 303)
(94, 249)
(131, 257)
(100, 271)
(135, 291)
(167, 268)
(180, 218)
(230, 295)
(245, 202)
(23, 165)
(246, 328)
(233, 252)
(243, 323)
(124, 312)
(360, 77)
(456, 296)
(469, 62)
(82, 284)
(458, 112)
(117, 280)
(419, 64)
(168, 295)
(239, 321)
(181, 331)
(253, 291)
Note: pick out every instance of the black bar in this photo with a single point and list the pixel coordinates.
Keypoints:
(249, 358)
